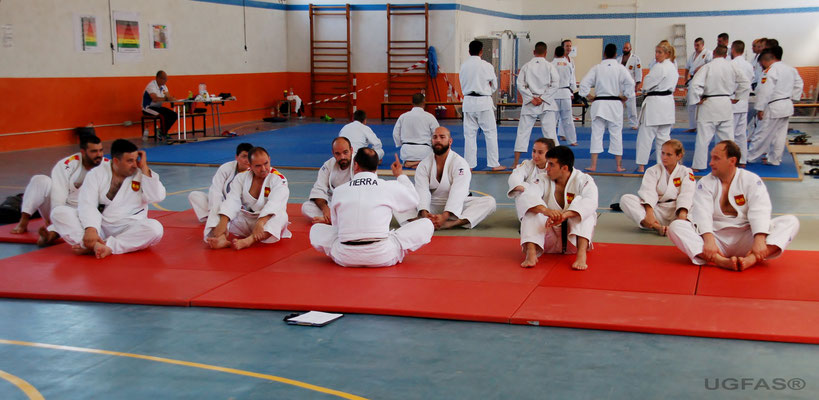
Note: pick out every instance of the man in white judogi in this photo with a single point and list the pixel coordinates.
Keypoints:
(478, 82)
(632, 63)
(44, 192)
(528, 173)
(564, 96)
(413, 132)
(361, 211)
(361, 135)
(335, 172)
(724, 40)
(758, 46)
(711, 90)
(779, 87)
(442, 182)
(561, 213)
(537, 83)
(206, 205)
(666, 192)
(741, 105)
(700, 57)
(730, 222)
(613, 85)
(255, 209)
(112, 206)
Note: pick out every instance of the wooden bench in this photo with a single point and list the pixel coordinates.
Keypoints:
(386, 104)
(501, 106)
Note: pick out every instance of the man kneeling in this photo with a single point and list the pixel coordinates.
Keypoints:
(562, 211)
(361, 211)
(256, 207)
(730, 222)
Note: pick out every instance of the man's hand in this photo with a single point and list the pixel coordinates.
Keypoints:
(555, 217)
(682, 214)
(321, 220)
(701, 101)
(590, 98)
(221, 228)
(90, 238)
(760, 247)
(759, 115)
(397, 169)
(734, 101)
(623, 98)
(518, 189)
(258, 229)
(709, 248)
(142, 162)
(536, 101)
(438, 219)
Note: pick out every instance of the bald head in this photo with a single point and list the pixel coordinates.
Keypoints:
(441, 140)
(627, 48)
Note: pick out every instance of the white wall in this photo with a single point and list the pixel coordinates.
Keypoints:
(206, 38)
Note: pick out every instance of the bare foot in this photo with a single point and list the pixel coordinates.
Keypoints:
(725, 262)
(620, 169)
(101, 250)
(451, 223)
(411, 164)
(499, 168)
(218, 242)
(239, 244)
(591, 169)
(80, 251)
(635, 128)
(689, 130)
(563, 138)
(531, 256)
(641, 168)
(20, 228)
(746, 262)
(580, 263)
(661, 230)
(47, 237)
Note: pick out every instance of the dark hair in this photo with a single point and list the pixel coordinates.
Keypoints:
(85, 139)
(777, 52)
(563, 43)
(122, 146)
(738, 46)
(550, 144)
(610, 51)
(160, 73)
(367, 159)
(360, 116)
(732, 150)
(417, 99)
(564, 156)
(342, 138)
(475, 47)
(770, 43)
(541, 48)
(254, 151)
(560, 51)
(699, 39)
(721, 51)
(722, 35)
(243, 147)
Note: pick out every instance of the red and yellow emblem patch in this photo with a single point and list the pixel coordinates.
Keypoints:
(570, 197)
(630, 67)
(739, 199)
(72, 158)
(276, 172)
(691, 176)
(677, 182)
(267, 191)
(135, 186)
(764, 79)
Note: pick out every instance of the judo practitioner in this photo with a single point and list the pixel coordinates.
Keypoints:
(442, 182)
(360, 135)
(538, 82)
(564, 96)
(730, 222)
(613, 85)
(112, 206)
(413, 132)
(665, 194)
(361, 211)
(700, 57)
(632, 63)
(206, 205)
(711, 90)
(741, 105)
(657, 114)
(333, 173)
(528, 172)
(255, 209)
(478, 82)
(561, 213)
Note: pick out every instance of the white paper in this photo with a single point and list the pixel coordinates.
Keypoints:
(80, 43)
(129, 23)
(315, 317)
(8, 36)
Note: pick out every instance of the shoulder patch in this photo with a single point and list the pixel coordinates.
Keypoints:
(691, 176)
(276, 172)
(72, 158)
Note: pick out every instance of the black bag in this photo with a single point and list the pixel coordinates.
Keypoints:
(10, 209)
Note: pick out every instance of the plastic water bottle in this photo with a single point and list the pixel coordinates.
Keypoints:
(145, 135)
(386, 96)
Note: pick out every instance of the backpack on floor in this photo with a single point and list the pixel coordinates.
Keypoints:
(10, 209)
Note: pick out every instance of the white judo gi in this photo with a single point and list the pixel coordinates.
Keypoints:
(123, 222)
(361, 135)
(580, 195)
(525, 174)
(361, 211)
(715, 83)
(244, 210)
(478, 82)
(695, 61)
(564, 96)
(741, 110)
(538, 78)
(734, 236)
(68, 173)
(657, 113)
(413, 134)
(206, 206)
(636, 70)
(779, 87)
(330, 176)
(665, 193)
(609, 80)
(450, 194)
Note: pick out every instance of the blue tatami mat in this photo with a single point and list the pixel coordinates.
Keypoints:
(308, 146)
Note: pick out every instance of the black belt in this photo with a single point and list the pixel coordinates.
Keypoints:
(752, 94)
(608, 98)
(662, 93)
(564, 234)
(774, 101)
(705, 96)
(418, 144)
(566, 87)
(361, 242)
(473, 94)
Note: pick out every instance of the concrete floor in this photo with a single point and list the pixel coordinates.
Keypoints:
(380, 357)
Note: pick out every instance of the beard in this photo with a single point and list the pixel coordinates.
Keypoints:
(343, 163)
(96, 161)
(439, 149)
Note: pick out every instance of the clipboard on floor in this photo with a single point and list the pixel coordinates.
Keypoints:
(311, 318)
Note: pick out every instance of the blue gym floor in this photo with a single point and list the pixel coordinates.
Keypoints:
(378, 357)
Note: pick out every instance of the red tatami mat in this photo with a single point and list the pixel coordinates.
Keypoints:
(793, 276)
(720, 317)
(34, 225)
(627, 267)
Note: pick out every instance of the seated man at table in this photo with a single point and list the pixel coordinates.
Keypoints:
(152, 98)
(206, 205)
